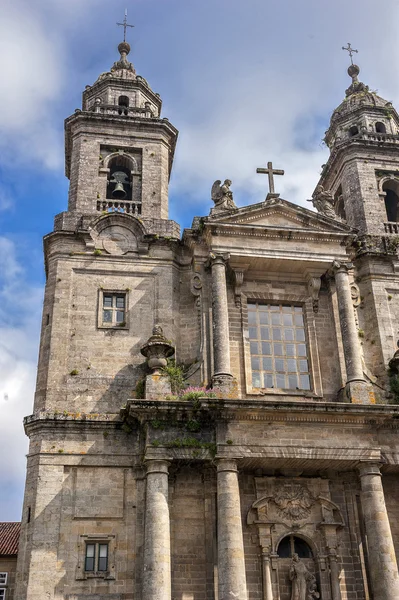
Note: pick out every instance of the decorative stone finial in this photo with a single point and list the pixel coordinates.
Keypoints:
(157, 350)
(123, 63)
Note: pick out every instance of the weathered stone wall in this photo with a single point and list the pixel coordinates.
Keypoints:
(8, 564)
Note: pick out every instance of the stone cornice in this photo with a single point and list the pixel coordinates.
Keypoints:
(379, 416)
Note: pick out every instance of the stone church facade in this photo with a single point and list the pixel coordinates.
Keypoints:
(274, 475)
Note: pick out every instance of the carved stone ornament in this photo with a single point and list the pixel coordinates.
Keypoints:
(294, 502)
(314, 284)
(355, 294)
(157, 350)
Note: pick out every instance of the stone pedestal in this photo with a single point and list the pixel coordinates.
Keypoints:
(382, 561)
(356, 390)
(157, 573)
(231, 563)
(221, 342)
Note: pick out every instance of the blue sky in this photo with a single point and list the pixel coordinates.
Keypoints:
(244, 82)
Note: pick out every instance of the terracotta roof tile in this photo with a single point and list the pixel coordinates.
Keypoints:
(9, 538)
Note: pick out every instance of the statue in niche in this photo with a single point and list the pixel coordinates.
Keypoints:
(324, 202)
(222, 195)
(303, 582)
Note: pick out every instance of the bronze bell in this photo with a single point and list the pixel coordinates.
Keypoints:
(119, 177)
(119, 191)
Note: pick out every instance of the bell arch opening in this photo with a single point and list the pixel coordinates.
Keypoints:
(380, 127)
(354, 130)
(120, 180)
(391, 189)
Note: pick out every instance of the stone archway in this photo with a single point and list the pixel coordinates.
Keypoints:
(298, 507)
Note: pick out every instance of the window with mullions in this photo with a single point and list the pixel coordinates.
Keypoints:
(2, 593)
(279, 357)
(113, 310)
(96, 558)
(3, 578)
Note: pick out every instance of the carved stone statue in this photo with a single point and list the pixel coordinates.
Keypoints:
(222, 195)
(324, 202)
(303, 582)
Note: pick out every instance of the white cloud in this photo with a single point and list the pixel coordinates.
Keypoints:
(19, 324)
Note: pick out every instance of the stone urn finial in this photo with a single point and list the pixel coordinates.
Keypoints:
(157, 350)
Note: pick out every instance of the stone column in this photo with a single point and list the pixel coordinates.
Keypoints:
(221, 341)
(157, 574)
(334, 575)
(231, 563)
(357, 390)
(267, 577)
(350, 336)
(382, 561)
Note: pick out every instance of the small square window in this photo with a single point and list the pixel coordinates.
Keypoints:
(96, 557)
(112, 309)
(3, 578)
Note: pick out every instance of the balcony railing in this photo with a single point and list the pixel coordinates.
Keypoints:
(111, 109)
(391, 227)
(131, 208)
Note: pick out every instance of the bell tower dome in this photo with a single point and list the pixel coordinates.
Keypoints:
(362, 171)
(118, 149)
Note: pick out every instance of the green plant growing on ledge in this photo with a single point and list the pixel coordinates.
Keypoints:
(175, 374)
(97, 252)
(74, 372)
(360, 333)
(140, 389)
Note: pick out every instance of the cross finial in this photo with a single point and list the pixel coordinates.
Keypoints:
(125, 24)
(351, 51)
(270, 172)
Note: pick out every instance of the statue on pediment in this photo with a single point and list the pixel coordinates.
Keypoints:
(222, 195)
(303, 581)
(324, 202)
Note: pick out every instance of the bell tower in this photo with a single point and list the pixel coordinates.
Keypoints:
(118, 149)
(362, 171)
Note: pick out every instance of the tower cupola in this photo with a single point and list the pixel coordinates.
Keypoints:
(361, 113)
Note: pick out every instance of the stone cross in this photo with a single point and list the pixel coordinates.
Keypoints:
(270, 171)
(350, 50)
(125, 24)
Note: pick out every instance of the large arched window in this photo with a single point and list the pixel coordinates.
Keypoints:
(292, 544)
(120, 181)
(380, 127)
(391, 189)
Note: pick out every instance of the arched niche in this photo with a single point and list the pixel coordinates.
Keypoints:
(354, 130)
(339, 204)
(289, 546)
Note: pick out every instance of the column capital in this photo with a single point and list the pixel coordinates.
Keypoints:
(157, 465)
(369, 469)
(226, 464)
(219, 258)
(340, 267)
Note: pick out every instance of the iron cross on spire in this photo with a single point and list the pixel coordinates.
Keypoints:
(351, 51)
(270, 171)
(125, 24)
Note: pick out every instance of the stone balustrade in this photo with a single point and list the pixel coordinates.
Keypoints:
(391, 227)
(124, 206)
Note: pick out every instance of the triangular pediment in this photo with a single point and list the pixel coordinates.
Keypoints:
(276, 212)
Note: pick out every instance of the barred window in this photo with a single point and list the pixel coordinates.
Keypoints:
(279, 355)
(3, 578)
(2, 593)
